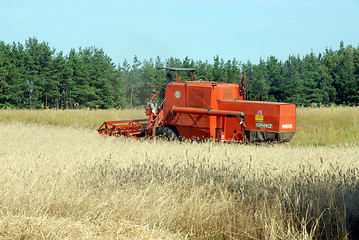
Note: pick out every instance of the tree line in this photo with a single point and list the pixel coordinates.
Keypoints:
(33, 75)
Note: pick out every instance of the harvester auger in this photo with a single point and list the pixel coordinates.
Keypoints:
(208, 110)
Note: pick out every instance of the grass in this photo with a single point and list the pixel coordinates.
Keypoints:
(326, 126)
(60, 182)
(91, 119)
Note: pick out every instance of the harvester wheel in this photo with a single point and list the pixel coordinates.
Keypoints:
(167, 133)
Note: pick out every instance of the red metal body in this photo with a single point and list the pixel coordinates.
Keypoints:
(131, 128)
(209, 110)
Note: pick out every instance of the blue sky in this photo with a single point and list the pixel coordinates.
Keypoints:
(199, 29)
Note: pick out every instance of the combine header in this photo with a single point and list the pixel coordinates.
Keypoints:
(208, 110)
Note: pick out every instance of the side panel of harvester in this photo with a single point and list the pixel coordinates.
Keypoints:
(187, 125)
(264, 121)
(192, 109)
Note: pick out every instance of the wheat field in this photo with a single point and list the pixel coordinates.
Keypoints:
(325, 126)
(66, 182)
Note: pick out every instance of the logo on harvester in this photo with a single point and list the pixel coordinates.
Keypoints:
(177, 94)
(259, 116)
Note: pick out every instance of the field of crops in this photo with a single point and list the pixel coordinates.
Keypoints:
(326, 126)
(60, 180)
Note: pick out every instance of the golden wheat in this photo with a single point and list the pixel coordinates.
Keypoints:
(64, 182)
(91, 119)
(325, 126)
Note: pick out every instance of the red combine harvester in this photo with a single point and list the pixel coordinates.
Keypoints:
(208, 110)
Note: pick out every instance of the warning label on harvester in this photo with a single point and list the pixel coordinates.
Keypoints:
(259, 116)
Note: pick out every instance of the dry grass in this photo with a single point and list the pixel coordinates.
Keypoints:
(66, 183)
(326, 126)
(91, 119)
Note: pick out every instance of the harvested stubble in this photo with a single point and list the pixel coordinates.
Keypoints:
(61, 182)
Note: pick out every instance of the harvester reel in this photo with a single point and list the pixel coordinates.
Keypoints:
(167, 133)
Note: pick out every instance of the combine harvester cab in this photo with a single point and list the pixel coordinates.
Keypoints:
(208, 110)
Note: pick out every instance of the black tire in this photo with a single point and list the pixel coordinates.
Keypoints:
(167, 133)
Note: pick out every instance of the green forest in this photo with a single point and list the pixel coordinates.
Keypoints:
(33, 75)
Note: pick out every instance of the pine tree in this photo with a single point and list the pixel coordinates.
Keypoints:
(218, 70)
(152, 80)
(60, 83)
(292, 79)
(232, 69)
(3, 84)
(343, 72)
(12, 75)
(257, 81)
(38, 60)
(275, 79)
(311, 80)
(134, 83)
(103, 75)
(125, 72)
